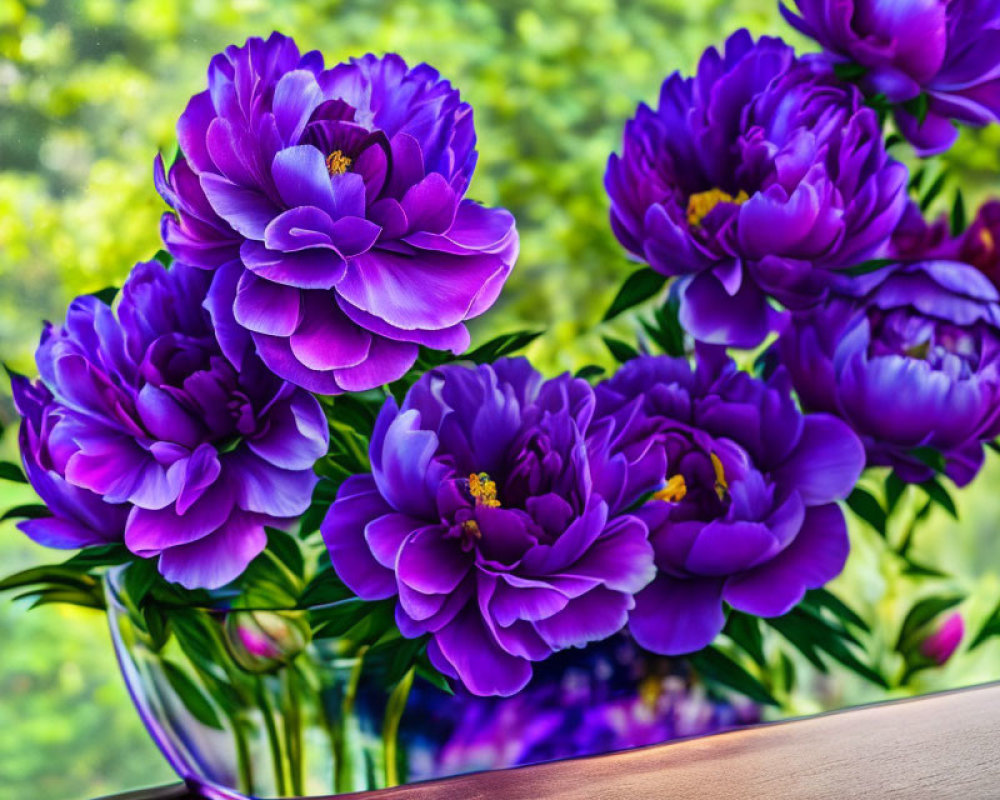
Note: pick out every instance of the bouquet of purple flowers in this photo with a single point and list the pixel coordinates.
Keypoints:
(274, 439)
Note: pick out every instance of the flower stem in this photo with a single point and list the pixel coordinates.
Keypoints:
(277, 755)
(293, 727)
(342, 766)
(390, 728)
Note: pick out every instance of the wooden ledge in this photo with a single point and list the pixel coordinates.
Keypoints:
(936, 747)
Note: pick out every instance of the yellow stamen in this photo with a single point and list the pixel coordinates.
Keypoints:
(471, 529)
(337, 163)
(919, 351)
(674, 491)
(483, 490)
(986, 237)
(701, 204)
(721, 487)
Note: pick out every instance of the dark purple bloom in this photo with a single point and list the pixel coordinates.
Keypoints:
(594, 704)
(754, 179)
(140, 413)
(79, 518)
(330, 204)
(945, 50)
(979, 245)
(743, 510)
(487, 514)
(910, 360)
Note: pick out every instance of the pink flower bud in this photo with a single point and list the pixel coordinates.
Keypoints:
(943, 642)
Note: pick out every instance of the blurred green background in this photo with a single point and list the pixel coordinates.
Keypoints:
(90, 89)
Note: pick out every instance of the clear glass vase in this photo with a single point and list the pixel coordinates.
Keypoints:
(247, 703)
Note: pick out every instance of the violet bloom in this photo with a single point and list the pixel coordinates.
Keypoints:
(487, 516)
(330, 204)
(980, 244)
(78, 517)
(743, 509)
(913, 362)
(947, 50)
(752, 180)
(141, 412)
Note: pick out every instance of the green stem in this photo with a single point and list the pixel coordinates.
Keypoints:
(390, 728)
(293, 727)
(243, 764)
(277, 754)
(342, 766)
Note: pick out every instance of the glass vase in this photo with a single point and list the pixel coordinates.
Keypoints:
(249, 703)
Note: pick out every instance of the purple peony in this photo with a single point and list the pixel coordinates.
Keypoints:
(140, 429)
(330, 205)
(78, 517)
(947, 51)
(911, 362)
(487, 516)
(755, 179)
(743, 509)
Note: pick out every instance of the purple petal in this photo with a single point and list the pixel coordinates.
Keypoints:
(673, 616)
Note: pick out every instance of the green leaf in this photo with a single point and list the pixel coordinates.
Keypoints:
(716, 667)
(502, 346)
(620, 351)
(812, 635)
(30, 511)
(191, 695)
(666, 330)
(164, 258)
(95, 557)
(865, 267)
(990, 628)
(286, 549)
(933, 191)
(588, 372)
(106, 295)
(849, 71)
(922, 571)
(139, 579)
(59, 575)
(11, 472)
(917, 178)
(929, 456)
(65, 596)
(866, 507)
(892, 140)
(921, 614)
(957, 217)
(938, 494)
(894, 488)
(744, 630)
(824, 598)
(918, 107)
(638, 287)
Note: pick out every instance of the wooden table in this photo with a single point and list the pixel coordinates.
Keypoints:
(938, 747)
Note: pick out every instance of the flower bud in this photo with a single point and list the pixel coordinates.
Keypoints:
(263, 641)
(943, 641)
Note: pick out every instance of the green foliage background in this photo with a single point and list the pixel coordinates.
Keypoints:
(90, 89)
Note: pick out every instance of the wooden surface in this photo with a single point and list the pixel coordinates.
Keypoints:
(938, 747)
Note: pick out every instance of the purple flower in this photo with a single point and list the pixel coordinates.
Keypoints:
(140, 414)
(980, 244)
(743, 507)
(945, 50)
(912, 362)
(487, 516)
(941, 644)
(753, 180)
(330, 204)
(79, 518)
(587, 708)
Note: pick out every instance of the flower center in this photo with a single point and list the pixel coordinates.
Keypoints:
(337, 163)
(987, 239)
(677, 489)
(674, 491)
(721, 486)
(701, 204)
(483, 490)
